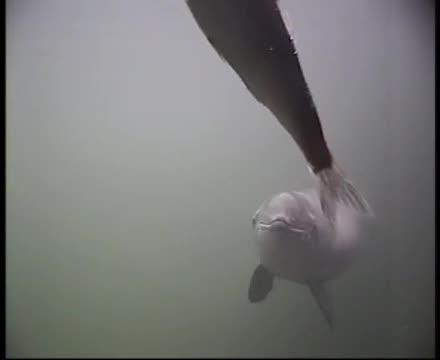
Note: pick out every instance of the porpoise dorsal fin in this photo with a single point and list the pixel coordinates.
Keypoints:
(260, 285)
(322, 296)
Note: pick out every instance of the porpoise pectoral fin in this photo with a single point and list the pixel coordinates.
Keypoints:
(322, 296)
(260, 285)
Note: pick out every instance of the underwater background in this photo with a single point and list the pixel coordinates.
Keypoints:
(136, 159)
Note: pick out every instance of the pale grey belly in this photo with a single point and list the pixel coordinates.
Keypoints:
(300, 261)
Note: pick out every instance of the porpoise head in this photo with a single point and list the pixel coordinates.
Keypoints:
(285, 213)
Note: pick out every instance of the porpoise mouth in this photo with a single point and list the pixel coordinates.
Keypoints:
(278, 223)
